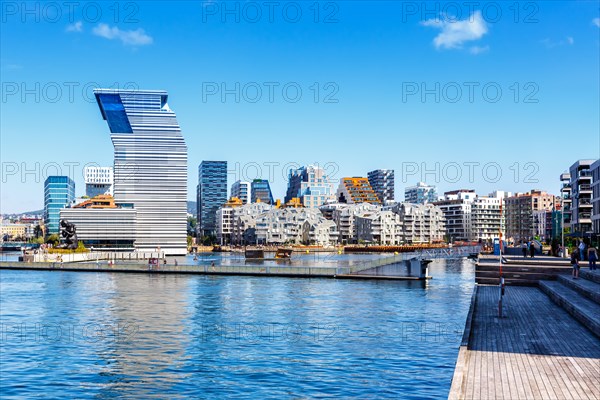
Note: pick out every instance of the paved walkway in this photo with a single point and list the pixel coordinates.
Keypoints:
(537, 352)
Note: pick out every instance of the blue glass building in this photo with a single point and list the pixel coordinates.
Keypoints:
(211, 193)
(59, 191)
(261, 189)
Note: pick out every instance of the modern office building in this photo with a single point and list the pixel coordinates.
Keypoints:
(520, 211)
(311, 185)
(356, 190)
(59, 191)
(261, 191)
(98, 181)
(109, 228)
(421, 193)
(241, 190)
(595, 168)
(211, 194)
(382, 182)
(581, 196)
(150, 166)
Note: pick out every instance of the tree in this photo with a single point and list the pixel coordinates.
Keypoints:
(53, 239)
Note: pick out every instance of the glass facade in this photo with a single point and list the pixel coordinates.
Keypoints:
(311, 185)
(211, 193)
(261, 189)
(59, 191)
(421, 193)
(382, 182)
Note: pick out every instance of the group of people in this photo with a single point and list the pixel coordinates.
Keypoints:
(580, 254)
(528, 248)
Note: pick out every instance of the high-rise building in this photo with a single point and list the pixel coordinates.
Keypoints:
(98, 181)
(356, 190)
(382, 182)
(150, 166)
(581, 196)
(212, 194)
(521, 221)
(261, 191)
(421, 193)
(311, 185)
(241, 190)
(595, 168)
(59, 191)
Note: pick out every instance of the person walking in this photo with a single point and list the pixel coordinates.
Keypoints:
(531, 249)
(592, 254)
(581, 250)
(524, 249)
(575, 264)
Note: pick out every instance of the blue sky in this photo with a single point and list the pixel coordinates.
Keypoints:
(487, 95)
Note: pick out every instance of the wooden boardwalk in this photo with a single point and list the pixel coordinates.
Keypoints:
(538, 351)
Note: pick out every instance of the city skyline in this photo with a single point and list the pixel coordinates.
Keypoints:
(372, 99)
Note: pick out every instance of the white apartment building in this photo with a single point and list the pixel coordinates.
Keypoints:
(421, 223)
(344, 217)
(244, 218)
(98, 180)
(295, 225)
(381, 227)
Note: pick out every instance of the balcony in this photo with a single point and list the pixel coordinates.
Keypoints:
(585, 188)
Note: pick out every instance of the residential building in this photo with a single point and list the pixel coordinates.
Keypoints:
(150, 166)
(595, 169)
(356, 190)
(581, 196)
(244, 220)
(311, 185)
(59, 191)
(241, 190)
(295, 225)
(211, 194)
(98, 181)
(420, 193)
(456, 207)
(261, 191)
(224, 220)
(520, 222)
(344, 216)
(382, 182)
(421, 223)
(380, 227)
(487, 218)
(566, 201)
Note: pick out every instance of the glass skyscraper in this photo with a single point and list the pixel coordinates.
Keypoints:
(150, 167)
(261, 189)
(311, 185)
(212, 194)
(59, 191)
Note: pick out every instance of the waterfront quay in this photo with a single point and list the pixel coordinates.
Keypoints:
(546, 344)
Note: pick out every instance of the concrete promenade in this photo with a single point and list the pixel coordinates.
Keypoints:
(539, 350)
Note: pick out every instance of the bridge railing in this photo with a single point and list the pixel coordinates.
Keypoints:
(425, 254)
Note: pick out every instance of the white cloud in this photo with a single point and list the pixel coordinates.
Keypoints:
(550, 43)
(456, 32)
(75, 27)
(596, 21)
(479, 49)
(131, 38)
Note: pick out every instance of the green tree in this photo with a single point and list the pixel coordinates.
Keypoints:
(53, 239)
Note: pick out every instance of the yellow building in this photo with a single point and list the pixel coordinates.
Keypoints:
(356, 190)
(13, 230)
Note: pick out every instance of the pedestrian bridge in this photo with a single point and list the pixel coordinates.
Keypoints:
(413, 264)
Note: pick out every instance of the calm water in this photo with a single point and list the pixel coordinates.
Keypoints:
(100, 335)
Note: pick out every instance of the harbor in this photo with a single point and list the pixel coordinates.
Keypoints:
(546, 343)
